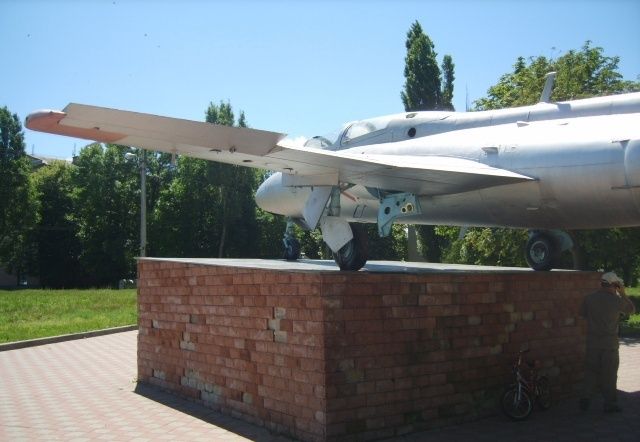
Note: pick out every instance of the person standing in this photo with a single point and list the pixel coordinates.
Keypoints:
(602, 310)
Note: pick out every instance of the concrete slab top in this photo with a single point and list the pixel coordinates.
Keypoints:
(313, 265)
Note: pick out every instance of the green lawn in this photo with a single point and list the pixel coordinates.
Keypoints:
(30, 314)
(632, 325)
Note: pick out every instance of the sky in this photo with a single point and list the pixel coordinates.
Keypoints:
(299, 67)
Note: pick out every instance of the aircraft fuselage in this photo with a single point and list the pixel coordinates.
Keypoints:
(584, 157)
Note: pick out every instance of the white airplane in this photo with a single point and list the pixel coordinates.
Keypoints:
(545, 168)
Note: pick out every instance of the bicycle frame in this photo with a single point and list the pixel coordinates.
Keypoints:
(528, 388)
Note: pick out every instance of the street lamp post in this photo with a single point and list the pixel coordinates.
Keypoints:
(143, 197)
(143, 203)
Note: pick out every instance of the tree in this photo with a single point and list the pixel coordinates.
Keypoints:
(484, 246)
(107, 212)
(235, 186)
(611, 249)
(208, 209)
(421, 72)
(581, 73)
(448, 75)
(186, 215)
(18, 200)
(59, 248)
(425, 90)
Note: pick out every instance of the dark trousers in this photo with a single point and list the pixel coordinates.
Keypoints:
(601, 373)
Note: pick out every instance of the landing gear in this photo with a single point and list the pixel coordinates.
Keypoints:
(291, 244)
(291, 249)
(353, 255)
(542, 251)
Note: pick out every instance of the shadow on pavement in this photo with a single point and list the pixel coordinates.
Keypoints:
(205, 414)
(630, 341)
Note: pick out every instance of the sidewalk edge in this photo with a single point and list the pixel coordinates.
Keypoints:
(70, 337)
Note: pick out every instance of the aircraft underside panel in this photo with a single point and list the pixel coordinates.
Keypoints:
(632, 169)
(523, 205)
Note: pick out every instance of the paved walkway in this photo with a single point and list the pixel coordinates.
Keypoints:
(85, 390)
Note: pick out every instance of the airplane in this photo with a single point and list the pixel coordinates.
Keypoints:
(547, 168)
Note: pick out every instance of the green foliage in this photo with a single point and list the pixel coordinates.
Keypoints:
(206, 209)
(58, 245)
(424, 87)
(611, 250)
(31, 314)
(85, 232)
(393, 247)
(448, 77)
(432, 243)
(11, 136)
(209, 209)
(107, 212)
(487, 246)
(580, 74)
(78, 225)
(421, 71)
(312, 245)
(18, 199)
(270, 233)
(631, 326)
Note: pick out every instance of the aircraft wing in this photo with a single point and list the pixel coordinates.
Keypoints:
(422, 175)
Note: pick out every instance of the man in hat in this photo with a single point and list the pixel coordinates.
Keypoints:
(602, 310)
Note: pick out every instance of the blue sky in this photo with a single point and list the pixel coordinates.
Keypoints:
(302, 68)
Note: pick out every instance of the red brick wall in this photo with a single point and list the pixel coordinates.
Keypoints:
(353, 356)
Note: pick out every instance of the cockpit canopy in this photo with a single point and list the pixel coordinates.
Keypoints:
(396, 127)
(350, 133)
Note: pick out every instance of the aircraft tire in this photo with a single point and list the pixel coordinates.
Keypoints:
(541, 252)
(353, 255)
(291, 249)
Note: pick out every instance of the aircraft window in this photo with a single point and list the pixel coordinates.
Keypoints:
(318, 142)
(327, 141)
(364, 127)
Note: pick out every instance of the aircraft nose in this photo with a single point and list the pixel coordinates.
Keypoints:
(273, 197)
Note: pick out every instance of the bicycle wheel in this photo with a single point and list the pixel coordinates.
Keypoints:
(543, 393)
(517, 405)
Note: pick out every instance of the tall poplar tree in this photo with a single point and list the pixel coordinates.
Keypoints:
(421, 72)
(425, 90)
(448, 77)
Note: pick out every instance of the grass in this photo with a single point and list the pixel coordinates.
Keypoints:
(631, 327)
(30, 314)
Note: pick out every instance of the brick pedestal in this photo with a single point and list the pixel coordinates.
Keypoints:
(326, 355)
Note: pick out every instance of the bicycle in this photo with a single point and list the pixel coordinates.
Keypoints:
(518, 399)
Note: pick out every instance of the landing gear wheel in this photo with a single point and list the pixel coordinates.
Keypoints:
(541, 252)
(291, 249)
(516, 403)
(353, 255)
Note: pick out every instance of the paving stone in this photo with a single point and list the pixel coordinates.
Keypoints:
(83, 390)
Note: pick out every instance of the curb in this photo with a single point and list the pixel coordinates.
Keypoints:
(70, 337)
